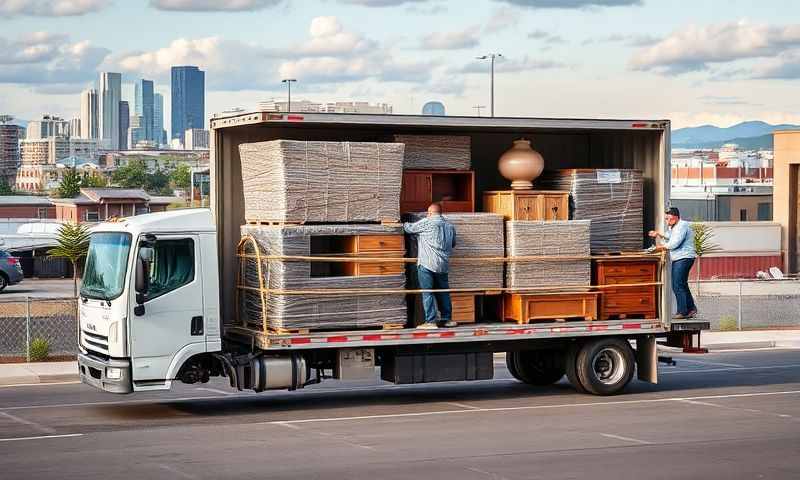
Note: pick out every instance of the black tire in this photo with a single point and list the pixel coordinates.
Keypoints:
(570, 367)
(3, 282)
(605, 365)
(540, 367)
(511, 365)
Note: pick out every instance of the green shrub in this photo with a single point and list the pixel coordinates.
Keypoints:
(40, 349)
(728, 323)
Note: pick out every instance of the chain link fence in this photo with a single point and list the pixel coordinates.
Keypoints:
(746, 304)
(51, 319)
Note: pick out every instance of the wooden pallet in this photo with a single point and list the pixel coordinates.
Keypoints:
(282, 223)
(306, 331)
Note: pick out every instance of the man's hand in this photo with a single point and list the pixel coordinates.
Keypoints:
(653, 234)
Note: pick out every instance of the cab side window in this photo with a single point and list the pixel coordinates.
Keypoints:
(172, 266)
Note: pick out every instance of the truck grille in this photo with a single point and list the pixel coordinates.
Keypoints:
(94, 341)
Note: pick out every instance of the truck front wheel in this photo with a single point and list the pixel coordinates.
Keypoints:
(536, 367)
(605, 366)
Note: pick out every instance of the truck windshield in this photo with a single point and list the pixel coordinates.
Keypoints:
(106, 264)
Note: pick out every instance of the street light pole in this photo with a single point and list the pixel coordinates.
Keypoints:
(478, 108)
(288, 82)
(491, 57)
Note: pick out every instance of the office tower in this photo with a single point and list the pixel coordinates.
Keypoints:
(159, 135)
(89, 113)
(196, 139)
(136, 132)
(109, 94)
(48, 126)
(9, 149)
(188, 100)
(143, 107)
(124, 123)
(75, 127)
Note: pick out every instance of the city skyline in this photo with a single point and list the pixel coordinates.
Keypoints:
(607, 58)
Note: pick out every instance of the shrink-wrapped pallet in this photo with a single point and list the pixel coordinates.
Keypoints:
(317, 311)
(612, 199)
(436, 152)
(477, 235)
(565, 238)
(319, 182)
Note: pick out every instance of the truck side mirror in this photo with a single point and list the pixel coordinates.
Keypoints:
(142, 280)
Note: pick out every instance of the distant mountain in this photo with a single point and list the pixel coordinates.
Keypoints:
(701, 137)
(761, 142)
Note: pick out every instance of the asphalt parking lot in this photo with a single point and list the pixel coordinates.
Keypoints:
(722, 415)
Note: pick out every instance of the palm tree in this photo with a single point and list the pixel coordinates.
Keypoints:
(703, 244)
(73, 243)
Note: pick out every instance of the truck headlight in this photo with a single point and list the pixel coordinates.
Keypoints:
(113, 373)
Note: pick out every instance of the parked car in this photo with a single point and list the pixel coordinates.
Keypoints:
(10, 270)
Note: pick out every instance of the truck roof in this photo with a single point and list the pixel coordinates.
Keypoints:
(233, 119)
(182, 220)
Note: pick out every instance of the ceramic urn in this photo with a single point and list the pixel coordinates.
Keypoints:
(521, 164)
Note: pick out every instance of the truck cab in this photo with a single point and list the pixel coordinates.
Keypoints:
(149, 300)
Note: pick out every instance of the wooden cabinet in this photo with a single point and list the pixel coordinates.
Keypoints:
(528, 204)
(389, 246)
(627, 302)
(463, 308)
(454, 189)
(526, 308)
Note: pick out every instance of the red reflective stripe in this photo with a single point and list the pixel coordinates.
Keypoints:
(638, 125)
(295, 118)
(336, 339)
(299, 341)
(420, 334)
(447, 334)
(370, 338)
(626, 326)
(598, 327)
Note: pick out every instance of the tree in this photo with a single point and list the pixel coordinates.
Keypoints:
(132, 175)
(70, 185)
(92, 180)
(5, 189)
(703, 244)
(72, 244)
(182, 176)
(157, 182)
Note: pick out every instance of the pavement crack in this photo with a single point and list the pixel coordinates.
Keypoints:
(36, 426)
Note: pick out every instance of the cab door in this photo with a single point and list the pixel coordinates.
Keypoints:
(173, 308)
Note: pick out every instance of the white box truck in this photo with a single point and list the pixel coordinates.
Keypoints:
(137, 335)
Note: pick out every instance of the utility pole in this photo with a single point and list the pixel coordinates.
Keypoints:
(288, 82)
(491, 57)
(478, 108)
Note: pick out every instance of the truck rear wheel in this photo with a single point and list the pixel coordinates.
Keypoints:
(571, 367)
(536, 367)
(605, 366)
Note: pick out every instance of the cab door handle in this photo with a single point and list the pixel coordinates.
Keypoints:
(197, 325)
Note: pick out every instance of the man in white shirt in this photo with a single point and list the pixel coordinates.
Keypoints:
(680, 245)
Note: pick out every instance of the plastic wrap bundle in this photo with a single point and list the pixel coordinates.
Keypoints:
(321, 311)
(293, 181)
(611, 199)
(477, 235)
(569, 238)
(436, 152)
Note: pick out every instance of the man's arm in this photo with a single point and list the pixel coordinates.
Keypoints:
(415, 227)
(676, 237)
(454, 237)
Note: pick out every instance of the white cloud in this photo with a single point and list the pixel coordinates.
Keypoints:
(695, 47)
(467, 38)
(784, 67)
(212, 5)
(43, 58)
(502, 18)
(328, 37)
(546, 37)
(51, 8)
(507, 65)
(382, 3)
(572, 4)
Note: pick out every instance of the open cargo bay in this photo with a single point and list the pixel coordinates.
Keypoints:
(564, 144)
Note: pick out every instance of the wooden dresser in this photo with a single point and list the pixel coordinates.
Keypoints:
(627, 302)
(354, 246)
(463, 305)
(453, 189)
(532, 307)
(528, 204)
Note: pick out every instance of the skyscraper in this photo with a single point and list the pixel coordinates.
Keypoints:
(188, 100)
(75, 127)
(124, 123)
(143, 107)
(159, 134)
(9, 149)
(109, 95)
(89, 113)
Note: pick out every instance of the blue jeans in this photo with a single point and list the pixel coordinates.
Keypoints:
(429, 280)
(680, 285)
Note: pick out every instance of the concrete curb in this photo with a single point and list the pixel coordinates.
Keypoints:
(38, 373)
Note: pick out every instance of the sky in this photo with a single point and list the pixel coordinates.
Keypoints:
(693, 62)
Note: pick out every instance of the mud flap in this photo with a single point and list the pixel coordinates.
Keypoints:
(647, 359)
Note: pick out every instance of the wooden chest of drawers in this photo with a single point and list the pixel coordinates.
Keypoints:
(525, 308)
(453, 189)
(528, 204)
(389, 246)
(463, 305)
(625, 302)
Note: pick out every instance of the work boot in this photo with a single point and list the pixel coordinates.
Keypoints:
(448, 324)
(679, 316)
(427, 326)
(691, 314)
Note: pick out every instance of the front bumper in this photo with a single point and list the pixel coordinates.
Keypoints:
(93, 372)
